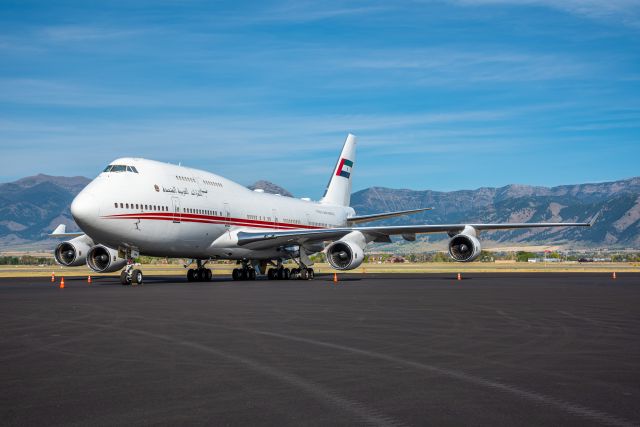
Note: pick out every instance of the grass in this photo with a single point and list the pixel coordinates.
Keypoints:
(447, 267)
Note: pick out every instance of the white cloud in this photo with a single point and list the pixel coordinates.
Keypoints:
(623, 11)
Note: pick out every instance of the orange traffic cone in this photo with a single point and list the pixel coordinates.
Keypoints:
(89, 279)
(613, 276)
(53, 276)
(62, 283)
(335, 277)
(459, 276)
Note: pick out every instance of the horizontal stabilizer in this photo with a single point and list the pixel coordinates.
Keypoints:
(385, 215)
(61, 231)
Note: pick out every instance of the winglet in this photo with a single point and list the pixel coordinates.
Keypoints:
(593, 220)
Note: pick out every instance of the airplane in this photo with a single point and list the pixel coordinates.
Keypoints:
(145, 207)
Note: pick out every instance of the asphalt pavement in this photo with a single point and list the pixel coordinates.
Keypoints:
(423, 349)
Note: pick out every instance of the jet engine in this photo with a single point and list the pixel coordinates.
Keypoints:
(73, 253)
(464, 248)
(343, 255)
(102, 259)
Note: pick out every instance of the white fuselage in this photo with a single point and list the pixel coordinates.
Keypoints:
(168, 210)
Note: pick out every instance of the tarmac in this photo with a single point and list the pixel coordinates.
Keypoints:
(411, 349)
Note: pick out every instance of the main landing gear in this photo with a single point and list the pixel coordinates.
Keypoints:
(281, 273)
(246, 272)
(199, 274)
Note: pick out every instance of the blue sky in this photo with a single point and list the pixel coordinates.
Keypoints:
(443, 94)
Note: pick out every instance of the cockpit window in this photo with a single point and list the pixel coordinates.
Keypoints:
(120, 168)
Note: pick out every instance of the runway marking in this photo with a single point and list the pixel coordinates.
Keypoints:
(359, 410)
(569, 407)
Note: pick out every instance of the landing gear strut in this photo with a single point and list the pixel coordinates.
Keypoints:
(200, 273)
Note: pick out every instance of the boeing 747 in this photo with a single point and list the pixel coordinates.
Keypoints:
(144, 207)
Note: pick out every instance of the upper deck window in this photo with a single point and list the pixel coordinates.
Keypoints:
(120, 168)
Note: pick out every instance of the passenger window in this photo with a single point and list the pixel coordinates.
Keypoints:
(137, 206)
(115, 204)
(127, 205)
(121, 206)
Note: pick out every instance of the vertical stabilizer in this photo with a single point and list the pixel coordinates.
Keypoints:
(338, 190)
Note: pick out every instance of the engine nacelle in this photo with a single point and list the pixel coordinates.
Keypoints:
(102, 259)
(344, 255)
(73, 253)
(464, 248)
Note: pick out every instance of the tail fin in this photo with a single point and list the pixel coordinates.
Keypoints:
(338, 190)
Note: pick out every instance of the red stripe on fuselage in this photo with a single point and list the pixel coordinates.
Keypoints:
(209, 219)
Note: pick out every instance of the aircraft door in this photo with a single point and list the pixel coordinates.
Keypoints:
(227, 215)
(175, 204)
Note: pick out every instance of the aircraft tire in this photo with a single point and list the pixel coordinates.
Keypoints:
(251, 273)
(190, 275)
(124, 280)
(137, 277)
(311, 273)
(304, 274)
(208, 274)
(235, 274)
(271, 274)
(286, 274)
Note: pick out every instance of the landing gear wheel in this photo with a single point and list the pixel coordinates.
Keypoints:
(304, 274)
(190, 277)
(136, 277)
(311, 273)
(236, 274)
(208, 275)
(125, 280)
(271, 274)
(251, 273)
(286, 273)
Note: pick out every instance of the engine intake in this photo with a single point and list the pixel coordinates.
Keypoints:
(344, 255)
(73, 253)
(102, 259)
(464, 248)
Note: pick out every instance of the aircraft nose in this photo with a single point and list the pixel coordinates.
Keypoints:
(84, 209)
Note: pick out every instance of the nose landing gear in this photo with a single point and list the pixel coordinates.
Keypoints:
(131, 275)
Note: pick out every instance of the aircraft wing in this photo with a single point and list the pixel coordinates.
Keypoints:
(61, 231)
(385, 215)
(257, 240)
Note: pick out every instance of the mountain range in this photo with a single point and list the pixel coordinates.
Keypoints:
(31, 207)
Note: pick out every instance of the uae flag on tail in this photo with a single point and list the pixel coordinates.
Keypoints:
(344, 168)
